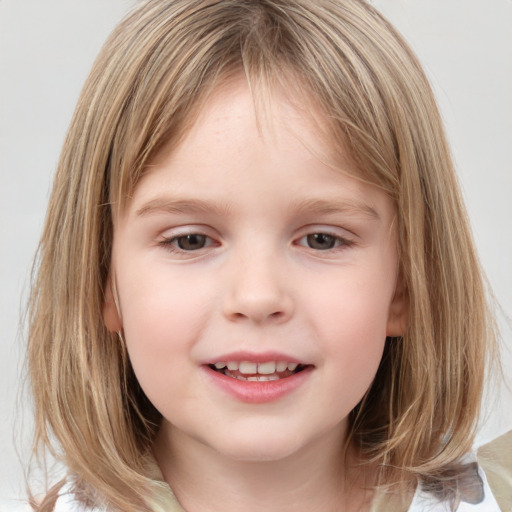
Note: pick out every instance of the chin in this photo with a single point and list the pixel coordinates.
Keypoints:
(259, 448)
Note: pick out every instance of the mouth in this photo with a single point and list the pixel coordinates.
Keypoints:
(258, 372)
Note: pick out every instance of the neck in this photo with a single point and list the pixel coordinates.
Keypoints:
(322, 477)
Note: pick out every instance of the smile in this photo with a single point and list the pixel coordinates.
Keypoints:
(257, 372)
(257, 378)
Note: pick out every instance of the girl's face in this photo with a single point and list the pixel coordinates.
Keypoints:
(256, 284)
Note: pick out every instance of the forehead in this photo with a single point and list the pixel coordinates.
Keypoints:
(284, 119)
(233, 145)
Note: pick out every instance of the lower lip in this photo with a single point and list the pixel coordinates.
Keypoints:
(258, 392)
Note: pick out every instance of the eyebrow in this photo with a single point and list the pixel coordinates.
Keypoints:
(315, 206)
(182, 207)
(333, 207)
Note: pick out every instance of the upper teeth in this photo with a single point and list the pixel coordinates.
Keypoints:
(247, 367)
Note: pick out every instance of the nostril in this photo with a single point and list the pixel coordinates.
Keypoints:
(257, 305)
(259, 317)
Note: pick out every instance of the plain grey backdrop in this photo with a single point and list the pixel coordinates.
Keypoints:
(46, 50)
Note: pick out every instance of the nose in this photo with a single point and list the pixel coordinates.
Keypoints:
(258, 291)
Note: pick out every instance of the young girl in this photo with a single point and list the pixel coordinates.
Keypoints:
(256, 282)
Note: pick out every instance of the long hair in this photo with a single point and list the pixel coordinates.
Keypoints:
(149, 82)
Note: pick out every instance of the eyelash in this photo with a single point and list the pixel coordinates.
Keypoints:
(172, 244)
(339, 242)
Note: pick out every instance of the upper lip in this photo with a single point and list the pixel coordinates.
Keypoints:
(255, 357)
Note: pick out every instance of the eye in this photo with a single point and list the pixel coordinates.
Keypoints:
(323, 241)
(188, 242)
(191, 242)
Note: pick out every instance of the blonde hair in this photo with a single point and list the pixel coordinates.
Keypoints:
(145, 89)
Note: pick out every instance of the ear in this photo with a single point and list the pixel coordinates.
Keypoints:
(111, 314)
(398, 316)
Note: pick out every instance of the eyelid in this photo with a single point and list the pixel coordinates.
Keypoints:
(170, 241)
(187, 229)
(169, 237)
(343, 241)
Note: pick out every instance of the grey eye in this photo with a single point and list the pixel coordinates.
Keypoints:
(191, 242)
(321, 241)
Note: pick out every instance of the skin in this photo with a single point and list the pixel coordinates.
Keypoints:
(262, 282)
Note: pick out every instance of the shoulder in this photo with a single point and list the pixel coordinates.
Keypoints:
(484, 483)
(474, 494)
(496, 459)
(162, 499)
(68, 502)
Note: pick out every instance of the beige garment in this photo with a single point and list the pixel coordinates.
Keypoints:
(496, 460)
(385, 502)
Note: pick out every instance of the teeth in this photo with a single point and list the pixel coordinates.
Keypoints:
(267, 368)
(281, 367)
(261, 378)
(249, 368)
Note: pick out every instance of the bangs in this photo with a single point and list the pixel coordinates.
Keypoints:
(345, 76)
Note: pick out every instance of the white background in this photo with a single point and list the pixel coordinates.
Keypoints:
(46, 50)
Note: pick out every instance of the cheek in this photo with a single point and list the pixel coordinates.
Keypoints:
(158, 334)
(356, 345)
(353, 307)
(160, 305)
(163, 316)
(350, 320)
